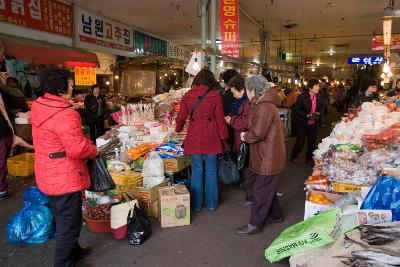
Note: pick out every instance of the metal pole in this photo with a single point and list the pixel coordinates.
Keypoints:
(203, 6)
(267, 50)
(214, 35)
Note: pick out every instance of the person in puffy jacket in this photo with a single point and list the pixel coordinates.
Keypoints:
(267, 153)
(60, 153)
(205, 136)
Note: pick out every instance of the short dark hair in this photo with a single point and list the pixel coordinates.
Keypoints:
(365, 84)
(54, 80)
(229, 74)
(237, 82)
(95, 86)
(311, 83)
(207, 78)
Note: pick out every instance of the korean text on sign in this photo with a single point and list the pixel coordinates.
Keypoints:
(229, 21)
(95, 29)
(365, 60)
(45, 15)
(85, 76)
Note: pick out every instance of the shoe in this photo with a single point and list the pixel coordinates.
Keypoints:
(310, 162)
(249, 230)
(296, 161)
(246, 204)
(80, 254)
(275, 220)
(4, 195)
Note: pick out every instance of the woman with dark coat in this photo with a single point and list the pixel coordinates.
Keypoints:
(96, 106)
(267, 153)
(204, 140)
(307, 111)
(368, 92)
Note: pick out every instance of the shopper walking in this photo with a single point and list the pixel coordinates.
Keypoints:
(368, 90)
(291, 99)
(96, 106)
(307, 112)
(60, 153)
(206, 133)
(267, 153)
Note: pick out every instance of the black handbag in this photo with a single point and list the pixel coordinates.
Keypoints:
(100, 178)
(228, 172)
(139, 226)
(243, 156)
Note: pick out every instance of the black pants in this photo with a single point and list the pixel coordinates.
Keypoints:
(96, 129)
(249, 178)
(67, 210)
(303, 131)
(265, 200)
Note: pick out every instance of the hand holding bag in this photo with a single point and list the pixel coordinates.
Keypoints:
(119, 215)
(139, 226)
(228, 172)
(100, 178)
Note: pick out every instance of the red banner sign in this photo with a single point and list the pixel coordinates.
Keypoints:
(229, 21)
(377, 42)
(45, 15)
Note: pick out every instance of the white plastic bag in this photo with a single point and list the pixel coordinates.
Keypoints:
(153, 170)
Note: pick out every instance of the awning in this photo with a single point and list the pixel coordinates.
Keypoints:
(40, 52)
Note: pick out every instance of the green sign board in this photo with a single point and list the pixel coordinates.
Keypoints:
(149, 45)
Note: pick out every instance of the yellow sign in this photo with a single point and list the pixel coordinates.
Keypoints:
(85, 76)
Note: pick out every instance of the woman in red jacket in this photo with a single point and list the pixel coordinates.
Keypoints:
(205, 136)
(60, 153)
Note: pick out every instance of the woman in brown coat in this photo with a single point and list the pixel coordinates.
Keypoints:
(267, 153)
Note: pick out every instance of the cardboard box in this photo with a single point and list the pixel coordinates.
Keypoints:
(142, 194)
(176, 165)
(373, 216)
(174, 206)
(312, 209)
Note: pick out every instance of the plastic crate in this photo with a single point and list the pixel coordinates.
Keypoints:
(22, 165)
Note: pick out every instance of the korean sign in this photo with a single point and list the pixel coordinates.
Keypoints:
(308, 61)
(292, 57)
(149, 45)
(44, 15)
(229, 21)
(85, 76)
(365, 60)
(177, 52)
(95, 29)
(377, 42)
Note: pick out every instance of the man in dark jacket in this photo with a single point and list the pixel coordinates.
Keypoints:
(96, 106)
(307, 112)
(368, 93)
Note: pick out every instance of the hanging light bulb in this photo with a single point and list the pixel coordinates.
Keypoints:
(334, 66)
(313, 69)
(317, 64)
(107, 82)
(305, 83)
(116, 77)
(166, 74)
(289, 80)
(174, 73)
(221, 64)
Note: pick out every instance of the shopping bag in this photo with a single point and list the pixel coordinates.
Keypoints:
(119, 215)
(243, 156)
(384, 195)
(100, 178)
(312, 233)
(228, 172)
(139, 226)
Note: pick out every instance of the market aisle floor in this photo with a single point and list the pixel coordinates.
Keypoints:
(210, 240)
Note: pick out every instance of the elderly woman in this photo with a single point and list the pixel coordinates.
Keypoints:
(60, 154)
(267, 153)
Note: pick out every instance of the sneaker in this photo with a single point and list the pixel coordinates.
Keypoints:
(4, 195)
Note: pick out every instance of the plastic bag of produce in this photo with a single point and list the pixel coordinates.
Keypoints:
(33, 224)
(139, 226)
(315, 232)
(228, 172)
(153, 166)
(35, 196)
(384, 195)
(243, 156)
(101, 179)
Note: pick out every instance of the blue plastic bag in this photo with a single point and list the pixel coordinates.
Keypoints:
(34, 223)
(384, 195)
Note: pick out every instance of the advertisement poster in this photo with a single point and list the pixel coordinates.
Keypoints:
(229, 21)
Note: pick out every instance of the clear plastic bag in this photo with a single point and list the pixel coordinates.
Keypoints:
(153, 166)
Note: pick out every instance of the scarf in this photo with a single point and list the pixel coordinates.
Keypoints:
(237, 104)
(259, 95)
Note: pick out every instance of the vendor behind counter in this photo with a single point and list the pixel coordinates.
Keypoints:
(13, 97)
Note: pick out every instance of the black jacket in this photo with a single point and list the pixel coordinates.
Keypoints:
(227, 101)
(361, 98)
(303, 107)
(92, 107)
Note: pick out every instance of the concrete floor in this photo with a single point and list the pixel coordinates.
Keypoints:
(209, 241)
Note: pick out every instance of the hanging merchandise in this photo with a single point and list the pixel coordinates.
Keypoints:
(195, 63)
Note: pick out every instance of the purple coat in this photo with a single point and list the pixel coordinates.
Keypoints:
(240, 123)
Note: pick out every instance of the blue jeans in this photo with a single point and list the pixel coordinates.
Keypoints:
(211, 184)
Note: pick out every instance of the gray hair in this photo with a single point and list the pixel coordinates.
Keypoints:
(256, 83)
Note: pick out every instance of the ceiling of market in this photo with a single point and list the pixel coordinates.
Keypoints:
(344, 27)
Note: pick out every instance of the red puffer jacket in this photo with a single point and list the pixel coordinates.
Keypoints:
(60, 147)
(207, 129)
